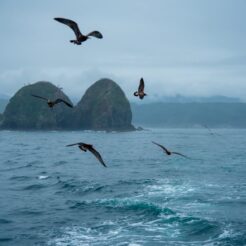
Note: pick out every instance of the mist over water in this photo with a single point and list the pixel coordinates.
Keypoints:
(54, 195)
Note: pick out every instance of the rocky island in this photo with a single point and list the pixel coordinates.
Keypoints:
(103, 107)
(25, 112)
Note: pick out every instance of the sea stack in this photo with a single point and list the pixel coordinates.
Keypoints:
(104, 106)
(24, 112)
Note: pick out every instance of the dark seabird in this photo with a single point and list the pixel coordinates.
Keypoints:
(51, 104)
(210, 131)
(79, 36)
(140, 93)
(168, 152)
(85, 147)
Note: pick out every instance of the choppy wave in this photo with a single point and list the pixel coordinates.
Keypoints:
(156, 232)
(140, 234)
(49, 198)
(124, 204)
(34, 187)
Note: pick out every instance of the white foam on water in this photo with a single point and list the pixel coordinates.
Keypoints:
(164, 187)
(43, 177)
(228, 232)
(76, 236)
(116, 233)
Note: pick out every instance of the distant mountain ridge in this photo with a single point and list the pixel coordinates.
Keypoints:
(211, 99)
(195, 99)
(231, 115)
(3, 104)
(4, 96)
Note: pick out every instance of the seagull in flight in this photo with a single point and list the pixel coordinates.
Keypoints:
(79, 36)
(168, 152)
(210, 131)
(84, 147)
(51, 104)
(140, 93)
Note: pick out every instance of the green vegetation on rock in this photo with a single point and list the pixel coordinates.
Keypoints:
(27, 112)
(104, 107)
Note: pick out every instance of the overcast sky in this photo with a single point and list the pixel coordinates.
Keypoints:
(187, 47)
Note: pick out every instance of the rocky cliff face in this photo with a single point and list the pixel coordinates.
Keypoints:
(104, 107)
(27, 112)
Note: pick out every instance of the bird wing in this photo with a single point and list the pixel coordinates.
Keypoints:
(74, 144)
(176, 153)
(210, 131)
(95, 153)
(39, 97)
(72, 24)
(59, 100)
(95, 34)
(141, 85)
(205, 126)
(166, 150)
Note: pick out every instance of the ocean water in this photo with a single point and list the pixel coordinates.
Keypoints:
(56, 195)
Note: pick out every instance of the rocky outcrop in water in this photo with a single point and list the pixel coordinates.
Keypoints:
(104, 107)
(29, 113)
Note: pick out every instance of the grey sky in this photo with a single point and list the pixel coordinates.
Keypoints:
(188, 47)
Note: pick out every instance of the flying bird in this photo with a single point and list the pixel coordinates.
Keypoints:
(79, 36)
(84, 147)
(51, 104)
(210, 131)
(140, 93)
(168, 152)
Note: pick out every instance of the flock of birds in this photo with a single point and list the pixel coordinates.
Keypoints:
(139, 93)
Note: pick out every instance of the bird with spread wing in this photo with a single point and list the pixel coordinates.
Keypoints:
(84, 147)
(168, 152)
(51, 104)
(210, 131)
(79, 36)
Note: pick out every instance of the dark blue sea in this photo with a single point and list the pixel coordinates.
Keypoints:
(56, 195)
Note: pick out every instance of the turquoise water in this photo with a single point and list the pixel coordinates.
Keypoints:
(54, 195)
